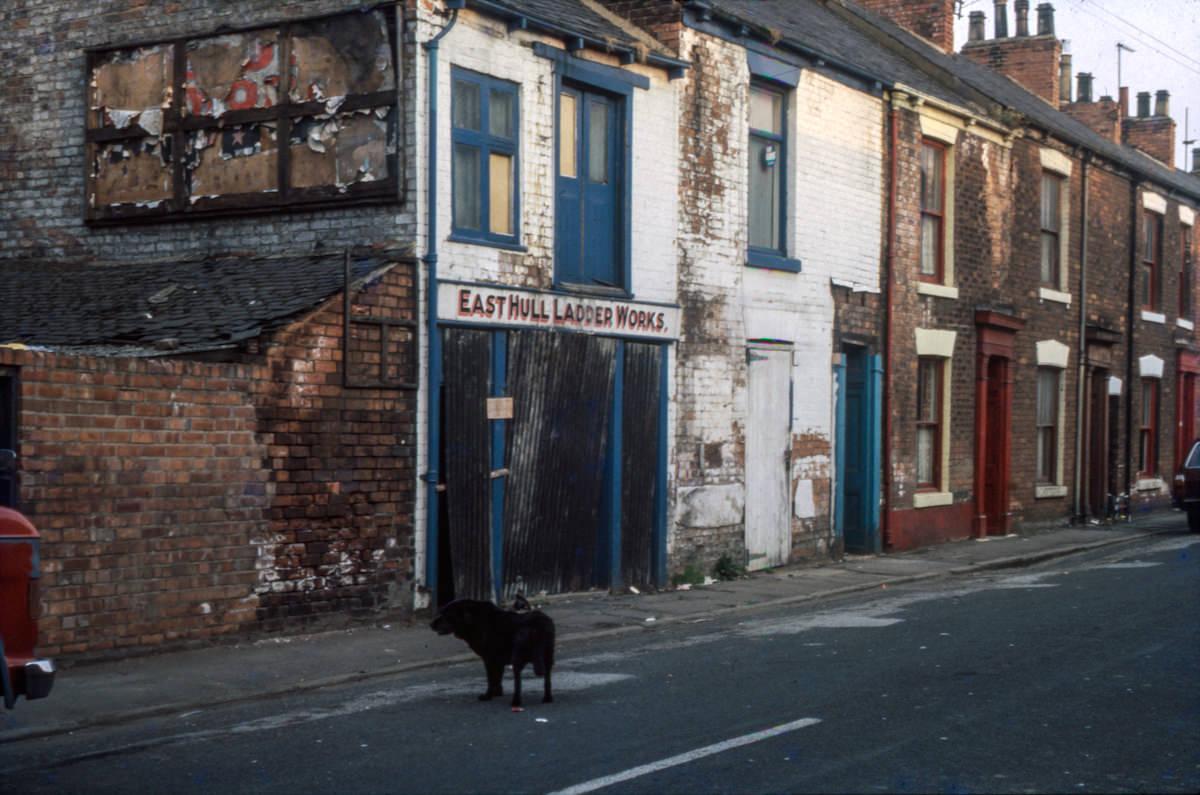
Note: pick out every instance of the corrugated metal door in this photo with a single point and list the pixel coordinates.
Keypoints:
(467, 524)
(562, 386)
(639, 470)
(768, 446)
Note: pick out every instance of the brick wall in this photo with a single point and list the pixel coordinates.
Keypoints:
(180, 501)
(932, 19)
(1104, 117)
(42, 163)
(1032, 61)
(1153, 135)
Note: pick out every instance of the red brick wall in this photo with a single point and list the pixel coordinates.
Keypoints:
(179, 501)
(1154, 135)
(1032, 61)
(1104, 117)
(932, 19)
(662, 18)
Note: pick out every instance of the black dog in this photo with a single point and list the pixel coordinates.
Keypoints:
(502, 637)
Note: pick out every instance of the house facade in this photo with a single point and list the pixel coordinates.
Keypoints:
(376, 306)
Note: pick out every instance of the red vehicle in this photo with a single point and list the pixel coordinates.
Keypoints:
(23, 674)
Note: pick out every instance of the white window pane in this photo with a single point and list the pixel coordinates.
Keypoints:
(764, 195)
(467, 181)
(766, 111)
(931, 244)
(466, 105)
(598, 138)
(925, 445)
(500, 113)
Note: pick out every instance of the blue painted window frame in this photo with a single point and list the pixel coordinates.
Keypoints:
(779, 77)
(572, 73)
(486, 143)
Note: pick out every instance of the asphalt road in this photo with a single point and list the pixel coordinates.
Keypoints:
(1082, 675)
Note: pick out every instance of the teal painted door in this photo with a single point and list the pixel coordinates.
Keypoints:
(857, 470)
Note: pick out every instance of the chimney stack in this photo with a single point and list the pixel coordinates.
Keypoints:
(1162, 103)
(1123, 98)
(1143, 108)
(1064, 79)
(975, 26)
(1045, 19)
(1085, 87)
(1001, 19)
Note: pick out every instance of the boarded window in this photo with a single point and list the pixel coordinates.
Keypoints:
(209, 124)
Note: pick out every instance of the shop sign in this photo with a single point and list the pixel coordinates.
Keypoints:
(499, 306)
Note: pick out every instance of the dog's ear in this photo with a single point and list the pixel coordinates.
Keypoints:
(521, 603)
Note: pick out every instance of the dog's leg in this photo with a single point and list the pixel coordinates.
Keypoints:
(516, 702)
(495, 675)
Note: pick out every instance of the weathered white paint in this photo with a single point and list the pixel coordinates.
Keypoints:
(768, 439)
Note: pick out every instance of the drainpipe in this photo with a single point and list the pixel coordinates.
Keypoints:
(1081, 365)
(1135, 219)
(889, 269)
(430, 259)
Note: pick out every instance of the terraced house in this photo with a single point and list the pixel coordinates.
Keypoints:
(315, 314)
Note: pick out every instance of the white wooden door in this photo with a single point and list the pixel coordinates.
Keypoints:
(768, 441)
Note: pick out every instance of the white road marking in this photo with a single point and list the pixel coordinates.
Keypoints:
(689, 756)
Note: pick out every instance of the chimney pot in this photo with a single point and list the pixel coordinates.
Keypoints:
(1045, 19)
(1085, 87)
(1196, 161)
(1143, 109)
(1021, 9)
(1162, 103)
(1064, 78)
(1001, 19)
(1123, 98)
(975, 26)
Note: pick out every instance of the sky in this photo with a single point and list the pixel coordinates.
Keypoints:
(1164, 36)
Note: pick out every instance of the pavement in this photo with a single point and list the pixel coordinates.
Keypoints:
(113, 692)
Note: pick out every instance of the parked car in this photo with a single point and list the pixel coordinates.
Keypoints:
(24, 673)
(1187, 487)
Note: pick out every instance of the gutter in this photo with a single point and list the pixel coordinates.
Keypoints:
(434, 383)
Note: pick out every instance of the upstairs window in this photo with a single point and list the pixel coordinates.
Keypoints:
(1186, 272)
(302, 113)
(485, 158)
(933, 211)
(1151, 259)
(767, 169)
(1051, 228)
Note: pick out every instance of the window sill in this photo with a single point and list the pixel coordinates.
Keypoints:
(1057, 296)
(937, 290)
(775, 262)
(1049, 490)
(1184, 323)
(457, 237)
(932, 499)
(1154, 317)
(1148, 484)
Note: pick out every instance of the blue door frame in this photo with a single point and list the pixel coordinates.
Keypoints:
(863, 433)
(609, 527)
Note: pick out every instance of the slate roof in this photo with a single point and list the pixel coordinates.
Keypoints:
(850, 34)
(166, 308)
(575, 18)
(823, 31)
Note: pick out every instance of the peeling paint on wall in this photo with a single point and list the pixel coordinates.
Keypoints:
(234, 72)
